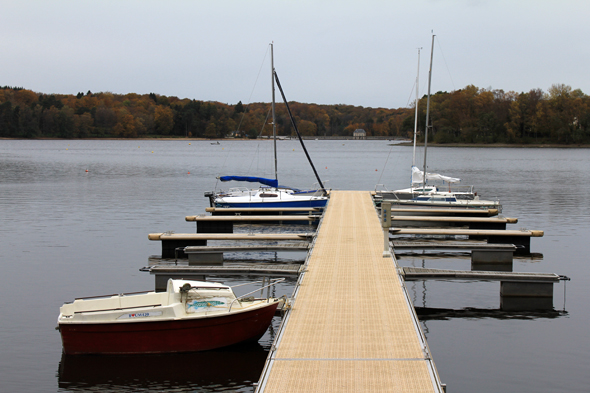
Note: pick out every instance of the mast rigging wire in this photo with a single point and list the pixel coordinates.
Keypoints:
(384, 165)
(445, 61)
(297, 131)
(244, 114)
(253, 87)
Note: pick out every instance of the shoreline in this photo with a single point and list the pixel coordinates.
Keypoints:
(409, 143)
(499, 145)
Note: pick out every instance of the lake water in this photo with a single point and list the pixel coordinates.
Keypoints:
(69, 233)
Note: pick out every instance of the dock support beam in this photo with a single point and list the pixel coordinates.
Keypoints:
(487, 225)
(526, 295)
(492, 260)
(205, 258)
(169, 247)
(491, 256)
(215, 227)
(523, 243)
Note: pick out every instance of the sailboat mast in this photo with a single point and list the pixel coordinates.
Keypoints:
(427, 115)
(416, 114)
(274, 123)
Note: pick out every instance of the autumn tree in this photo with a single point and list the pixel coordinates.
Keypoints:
(211, 131)
(163, 120)
(125, 127)
(471, 114)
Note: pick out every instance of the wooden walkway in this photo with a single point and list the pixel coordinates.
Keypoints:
(352, 327)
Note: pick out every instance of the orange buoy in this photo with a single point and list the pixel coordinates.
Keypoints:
(86, 170)
(188, 173)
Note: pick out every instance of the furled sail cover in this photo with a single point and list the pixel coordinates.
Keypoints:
(267, 182)
(417, 176)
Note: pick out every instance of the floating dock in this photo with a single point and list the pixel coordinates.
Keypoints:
(164, 272)
(199, 255)
(521, 239)
(441, 245)
(418, 273)
(453, 221)
(447, 211)
(232, 211)
(172, 241)
(240, 218)
(466, 232)
(352, 326)
(232, 236)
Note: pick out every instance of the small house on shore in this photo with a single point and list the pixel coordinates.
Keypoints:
(359, 134)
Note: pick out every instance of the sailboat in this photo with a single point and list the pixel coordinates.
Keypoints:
(270, 194)
(423, 190)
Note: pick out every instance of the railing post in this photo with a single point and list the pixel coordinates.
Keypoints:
(386, 224)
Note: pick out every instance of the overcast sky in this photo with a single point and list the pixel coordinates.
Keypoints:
(360, 53)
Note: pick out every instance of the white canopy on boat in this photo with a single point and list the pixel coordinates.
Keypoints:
(417, 177)
(175, 285)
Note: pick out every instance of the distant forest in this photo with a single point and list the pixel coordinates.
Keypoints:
(469, 115)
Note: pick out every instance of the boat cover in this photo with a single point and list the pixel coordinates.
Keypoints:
(252, 179)
(417, 176)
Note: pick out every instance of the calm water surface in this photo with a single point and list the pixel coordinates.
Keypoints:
(68, 233)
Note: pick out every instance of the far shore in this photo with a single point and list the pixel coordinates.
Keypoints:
(405, 143)
(502, 145)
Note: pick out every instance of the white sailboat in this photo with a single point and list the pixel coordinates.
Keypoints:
(425, 190)
(270, 193)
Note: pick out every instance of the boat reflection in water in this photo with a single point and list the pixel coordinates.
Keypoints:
(232, 368)
(524, 310)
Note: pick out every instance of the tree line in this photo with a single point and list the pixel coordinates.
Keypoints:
(469, 115)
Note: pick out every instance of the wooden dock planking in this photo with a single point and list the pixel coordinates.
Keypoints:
(352, 327)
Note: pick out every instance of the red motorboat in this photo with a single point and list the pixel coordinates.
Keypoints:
(190, 316)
